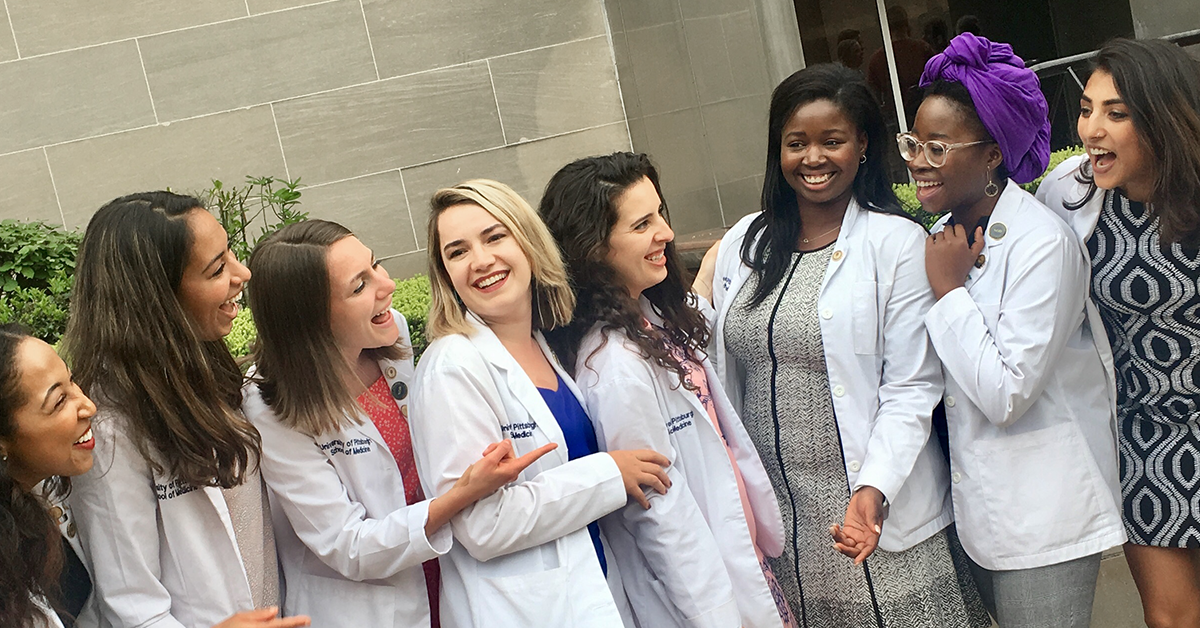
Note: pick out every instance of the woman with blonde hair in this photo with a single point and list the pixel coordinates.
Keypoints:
(529, 554)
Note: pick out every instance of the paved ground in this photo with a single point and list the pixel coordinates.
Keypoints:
(1117, 604)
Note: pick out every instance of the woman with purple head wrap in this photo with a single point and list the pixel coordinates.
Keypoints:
(1029, 398)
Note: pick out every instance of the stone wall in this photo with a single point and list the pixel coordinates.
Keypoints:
(372, 103)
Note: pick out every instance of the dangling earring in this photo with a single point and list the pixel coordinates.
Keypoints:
(863, 159)
(991, 189)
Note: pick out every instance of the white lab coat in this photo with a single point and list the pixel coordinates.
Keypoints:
(883, 374)
(1060, 186)
(160, 552)
(1029, 407)
(522, 556)
(350, 546)
(689, 560)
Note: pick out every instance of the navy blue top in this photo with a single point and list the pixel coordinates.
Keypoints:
(581, 440)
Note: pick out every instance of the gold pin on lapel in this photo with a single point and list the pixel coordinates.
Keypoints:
(837, 255)
(979, 261)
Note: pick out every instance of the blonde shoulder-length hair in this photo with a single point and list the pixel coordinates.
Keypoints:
(553, 300)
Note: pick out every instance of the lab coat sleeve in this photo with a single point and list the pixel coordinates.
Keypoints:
(1003, 370)
(672, 535)
(911, 382)
(458, 414)
(115, 506)
(326, 519)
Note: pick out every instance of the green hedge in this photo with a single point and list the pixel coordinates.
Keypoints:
(411, 299)
(907, 192)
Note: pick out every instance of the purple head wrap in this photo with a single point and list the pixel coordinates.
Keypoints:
(1007, 97)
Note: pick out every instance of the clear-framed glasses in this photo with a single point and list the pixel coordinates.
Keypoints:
(935, 151)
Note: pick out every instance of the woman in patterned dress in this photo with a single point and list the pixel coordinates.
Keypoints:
(636, 346)
(818, 342)
(1135, 201)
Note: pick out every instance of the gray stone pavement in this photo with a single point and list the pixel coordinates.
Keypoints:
(1117, 604)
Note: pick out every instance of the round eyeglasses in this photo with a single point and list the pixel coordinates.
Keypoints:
(935, 151)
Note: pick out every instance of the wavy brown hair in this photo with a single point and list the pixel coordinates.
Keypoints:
(299, 368)
(580, 207)
(30, 550)
(1160, 84)
(133, 348)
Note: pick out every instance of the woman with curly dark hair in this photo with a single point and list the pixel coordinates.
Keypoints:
(636, 344)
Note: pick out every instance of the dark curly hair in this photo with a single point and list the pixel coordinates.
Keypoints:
(580, 208)
(30, 551)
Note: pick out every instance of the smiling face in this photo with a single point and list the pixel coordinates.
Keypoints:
(959, 183)
(486, 266)
(53, 435)
(360, 298)
(1119, 157)
(819, 154)
(212, 279)
(637, 244)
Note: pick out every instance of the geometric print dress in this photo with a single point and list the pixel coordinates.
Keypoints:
(1149, 299)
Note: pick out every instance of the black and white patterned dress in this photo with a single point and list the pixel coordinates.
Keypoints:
(788, 413)
(1149, 298)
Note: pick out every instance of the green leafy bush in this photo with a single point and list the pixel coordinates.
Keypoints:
(33, 253)
(258, 202)
(411, 299)
(43, 310)
(907, 192)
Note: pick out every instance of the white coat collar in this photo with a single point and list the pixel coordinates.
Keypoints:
(522, 388)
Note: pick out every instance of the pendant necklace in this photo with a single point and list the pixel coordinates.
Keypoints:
(805, 240)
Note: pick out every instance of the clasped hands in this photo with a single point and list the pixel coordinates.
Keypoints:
(858, 536)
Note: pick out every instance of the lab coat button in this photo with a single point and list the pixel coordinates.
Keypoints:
(854, 466)
(390, 373)
(949, 402)
(956, 477)
(837, 256)
(826, 313)
(838, 391)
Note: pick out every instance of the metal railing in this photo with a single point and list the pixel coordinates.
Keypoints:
(1065, 85)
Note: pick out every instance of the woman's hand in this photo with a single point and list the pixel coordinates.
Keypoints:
(642, 467)
(498, 466)
(264, 618)
(948, 258)
(858, 536)
(702, 284)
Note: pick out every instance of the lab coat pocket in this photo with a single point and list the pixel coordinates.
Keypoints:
(1038, 490)
(532, 599)
(865, 318)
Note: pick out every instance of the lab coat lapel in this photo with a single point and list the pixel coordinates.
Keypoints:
(995, 236)
(841, 247)
(692, 400)
(519, 384)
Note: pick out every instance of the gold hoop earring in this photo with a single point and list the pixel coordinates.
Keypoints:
(991, 189)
